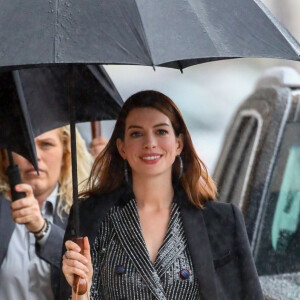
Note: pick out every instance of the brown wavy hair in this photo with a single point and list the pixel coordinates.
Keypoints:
(108, 170)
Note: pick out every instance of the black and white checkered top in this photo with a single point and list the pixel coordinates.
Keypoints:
(122, 266)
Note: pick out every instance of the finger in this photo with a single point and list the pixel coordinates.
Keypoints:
(25, 202)
(28, 200)
(70, 245)
(70, 270)
(86, 248)
(76, 261)
(25, 219)
(75, 256)
(27, 211)
(26, 188)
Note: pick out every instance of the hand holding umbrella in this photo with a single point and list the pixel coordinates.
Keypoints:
(14, 178)
(84, 270)
(27, 210)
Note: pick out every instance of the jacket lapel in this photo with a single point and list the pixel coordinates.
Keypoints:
(60, 220)
(199, 247)
(127, 226)
(174, 243)
(7, 226)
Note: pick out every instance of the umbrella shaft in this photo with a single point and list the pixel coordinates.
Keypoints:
(73, 153)
(96, 129)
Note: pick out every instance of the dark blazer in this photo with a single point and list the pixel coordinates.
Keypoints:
(50, 252)
(217, 242)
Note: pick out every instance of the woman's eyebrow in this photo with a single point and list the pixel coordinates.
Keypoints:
(134, 126)
(161, 124)
(140, 127)
(45, 139)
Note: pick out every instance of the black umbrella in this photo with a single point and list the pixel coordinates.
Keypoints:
(16, 130)
(33, 101)
(172, 33)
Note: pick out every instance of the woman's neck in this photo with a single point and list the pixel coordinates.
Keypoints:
(153, 193)
(42, 196)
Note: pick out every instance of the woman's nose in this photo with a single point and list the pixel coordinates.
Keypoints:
(150, 142)
(38, 153)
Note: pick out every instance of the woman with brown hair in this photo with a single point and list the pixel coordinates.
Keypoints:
(150, 214)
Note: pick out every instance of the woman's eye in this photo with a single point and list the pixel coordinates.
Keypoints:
(47, 144)
(135, 134)
(162, 131)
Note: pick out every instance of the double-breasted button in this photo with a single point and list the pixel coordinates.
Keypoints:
(120, 270)
(184, 274)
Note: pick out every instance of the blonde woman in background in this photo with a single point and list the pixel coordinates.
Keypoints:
(32, 228)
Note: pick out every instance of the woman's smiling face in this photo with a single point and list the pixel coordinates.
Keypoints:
(150, 145)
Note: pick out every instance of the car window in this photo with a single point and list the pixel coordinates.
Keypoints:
(231, 185)
(278, 247)
(287, 211)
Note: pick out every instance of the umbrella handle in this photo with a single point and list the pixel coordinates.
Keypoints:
(79, 284)
(14, 178)
(96, 129)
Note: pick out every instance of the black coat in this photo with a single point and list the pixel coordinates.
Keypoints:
(51, 251)
(217, 242)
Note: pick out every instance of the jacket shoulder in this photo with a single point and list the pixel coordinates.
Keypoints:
(221, 216)
(116, 197)
(219, 209)
(93, 210)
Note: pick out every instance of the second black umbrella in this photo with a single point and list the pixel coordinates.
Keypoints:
(33, 101)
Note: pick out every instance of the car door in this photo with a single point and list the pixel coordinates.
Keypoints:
(259, 170)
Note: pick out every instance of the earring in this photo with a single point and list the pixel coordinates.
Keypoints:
(180, 166)
(126, 176)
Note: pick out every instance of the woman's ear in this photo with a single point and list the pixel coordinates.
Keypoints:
(180, 144)
(120, 146)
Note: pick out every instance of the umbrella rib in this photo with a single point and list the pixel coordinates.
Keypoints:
(55, 34)
(284, 32)
(103, 78)
(145, 35)
(26, 120)
(203, 27)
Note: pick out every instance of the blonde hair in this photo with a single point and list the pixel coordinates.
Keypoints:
(84, 164)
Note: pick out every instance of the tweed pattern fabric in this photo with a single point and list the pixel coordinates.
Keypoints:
(122, 266)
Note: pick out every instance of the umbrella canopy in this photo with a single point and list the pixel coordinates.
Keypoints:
(172, 33)
(16, 132)
(33, 101)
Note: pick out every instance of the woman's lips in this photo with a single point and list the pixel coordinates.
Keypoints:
(151, 158)
(34, 172)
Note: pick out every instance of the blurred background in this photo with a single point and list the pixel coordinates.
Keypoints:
(207, 94)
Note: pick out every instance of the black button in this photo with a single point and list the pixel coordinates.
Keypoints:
(120, 270)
